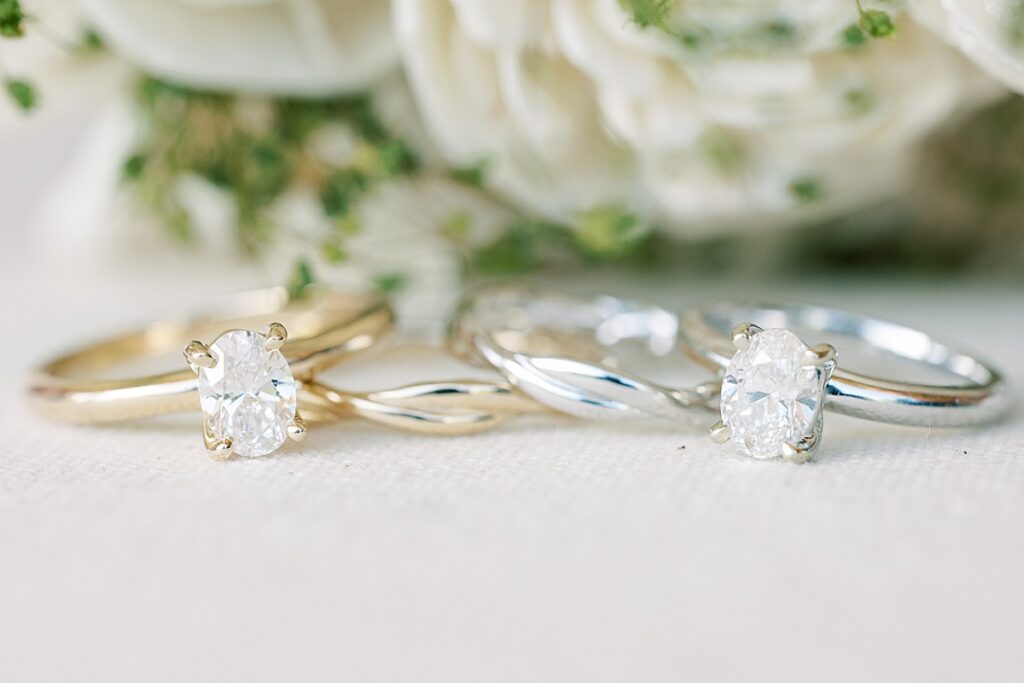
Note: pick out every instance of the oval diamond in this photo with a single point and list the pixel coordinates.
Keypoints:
(249, 395)
(770, 397)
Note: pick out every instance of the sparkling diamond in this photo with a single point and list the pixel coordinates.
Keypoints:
(248, 396)
(769, 397)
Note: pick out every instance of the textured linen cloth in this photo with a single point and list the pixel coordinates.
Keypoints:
(547, 550)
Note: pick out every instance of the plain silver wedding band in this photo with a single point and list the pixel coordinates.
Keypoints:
(556, 349)
(705, 333)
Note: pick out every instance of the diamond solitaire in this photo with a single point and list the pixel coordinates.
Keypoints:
(772, 394)
(247, 393)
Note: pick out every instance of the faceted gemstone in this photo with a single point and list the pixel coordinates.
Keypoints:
(769, 398)
(249, 395)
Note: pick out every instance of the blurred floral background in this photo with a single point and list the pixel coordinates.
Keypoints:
(410, 144)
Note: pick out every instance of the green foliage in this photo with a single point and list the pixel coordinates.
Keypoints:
(806, 189)
(859, 100)
(340, 190)
(301, 279)
(133, 167)
(854, 36)
(256, 150)
(91, 41)
(647, 13)
(22, 93)
(876, 23)
(609, 232)
(12, 19)
(522, 247)
(473, 175)
(723, 149)
(390, 283)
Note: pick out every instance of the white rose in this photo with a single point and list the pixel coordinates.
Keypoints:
(991, 33)
(288, 47)
(762, 108)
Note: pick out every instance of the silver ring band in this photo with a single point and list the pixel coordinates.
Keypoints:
(985, 397)
(557, 349)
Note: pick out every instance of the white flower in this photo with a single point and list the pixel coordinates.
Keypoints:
(989, 32)
(756, 112)
(300, 47)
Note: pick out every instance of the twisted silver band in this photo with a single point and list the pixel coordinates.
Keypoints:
(981, 396)
(558, 350)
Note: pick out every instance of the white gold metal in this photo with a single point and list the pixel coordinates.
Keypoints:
(980, 396)
(559, 350)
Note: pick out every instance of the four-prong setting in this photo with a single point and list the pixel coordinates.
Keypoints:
(773, 393)
(247, 393)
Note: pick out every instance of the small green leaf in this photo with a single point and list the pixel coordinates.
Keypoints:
(456, 227)
(133, 166)
(609, 232)
(390, 283)
(333, 252)
(646, 13)
(473, 175)
(11, 19)
(860, 100)
(806, 189)
(91, 41)
(22, 93)
(876, 23)
(854, 36)
(723, 149)
(300, 280)
(398, 158)
(340, 190)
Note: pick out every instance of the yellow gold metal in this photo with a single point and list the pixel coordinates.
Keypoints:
(277, 335)
(326, 327)
(198, 356)
(720, 433)
(297, 430)
(220, 450)
(440, 408)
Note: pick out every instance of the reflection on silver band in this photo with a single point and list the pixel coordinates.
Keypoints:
(982, 395)
(558, 350)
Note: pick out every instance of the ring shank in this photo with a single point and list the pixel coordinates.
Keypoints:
(706, 336)
(325, 327)
(556, 349)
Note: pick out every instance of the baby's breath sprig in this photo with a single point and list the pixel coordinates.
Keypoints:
(871, 23)
(256, 149)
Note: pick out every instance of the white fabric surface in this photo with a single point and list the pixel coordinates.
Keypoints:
(548, 550)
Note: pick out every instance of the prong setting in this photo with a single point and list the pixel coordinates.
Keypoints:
(249, 405)
(220, 450)
(277, 335)
(820, 356)
(720, 432)
(198, 355)
(743, 333)
(773, 393)
(298, 429)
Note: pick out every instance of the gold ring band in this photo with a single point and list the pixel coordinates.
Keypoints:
(256, 389)
(325, 327)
